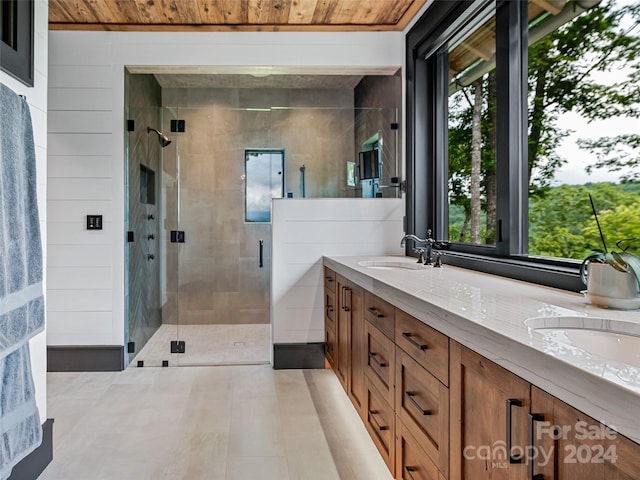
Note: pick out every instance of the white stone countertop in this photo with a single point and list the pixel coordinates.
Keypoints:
(487, 313)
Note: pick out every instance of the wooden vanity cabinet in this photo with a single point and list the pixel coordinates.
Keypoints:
(572, 446)
(437, 410)
(489, 414)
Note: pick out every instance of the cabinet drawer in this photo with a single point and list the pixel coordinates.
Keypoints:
(427, 346)
(411, 461)
(380, 366)
(379, 313)
(330, 348)
(380, 423)
(422, 403)
(329, 280)
(330, 309)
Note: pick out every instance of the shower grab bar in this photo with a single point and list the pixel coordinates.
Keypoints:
(261, 255)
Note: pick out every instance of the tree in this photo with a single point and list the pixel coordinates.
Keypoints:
(563, 225)
(565, 74)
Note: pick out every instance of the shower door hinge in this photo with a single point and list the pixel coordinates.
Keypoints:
(131, 347)
(177, 236)
(178, 126)
(178, 346)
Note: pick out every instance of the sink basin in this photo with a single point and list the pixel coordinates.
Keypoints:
(610, 339)
(392, 265)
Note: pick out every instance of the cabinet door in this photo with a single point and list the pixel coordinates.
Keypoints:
(572, 446)
(489, 413)
(343, 332)
(330, 351)
(330, 316)
(356, 386)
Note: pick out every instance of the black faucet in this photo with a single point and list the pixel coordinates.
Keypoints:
(429, 241)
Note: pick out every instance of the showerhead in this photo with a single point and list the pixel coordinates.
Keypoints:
(164, 141)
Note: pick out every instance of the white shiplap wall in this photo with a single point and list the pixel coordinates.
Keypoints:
(37, 99)
(86, 146)
(303, 230)
(81, 175)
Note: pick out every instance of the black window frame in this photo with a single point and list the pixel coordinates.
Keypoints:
(427, 142)
(17, 60)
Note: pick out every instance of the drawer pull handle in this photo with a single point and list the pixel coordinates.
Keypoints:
(374, 312)
(372, 414)
(344, 299)
(329, 309)
(511, 402)
(416, 404)
(409, 470)
(408, 336)
(534, 417)
(374, 356)
(328, 279)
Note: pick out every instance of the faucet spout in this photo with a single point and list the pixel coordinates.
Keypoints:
(411, 237)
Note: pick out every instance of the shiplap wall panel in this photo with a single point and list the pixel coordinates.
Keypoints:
(304, 230)
(80, 76)
(72, 234)
(79, 278)
(67, 121)
(80, 328)
(81, 99)
(66, 211)
(80, 189)
(96, 255)
(79, 300)
(72, 143)
(80, 166)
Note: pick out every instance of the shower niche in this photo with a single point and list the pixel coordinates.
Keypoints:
(147, 185)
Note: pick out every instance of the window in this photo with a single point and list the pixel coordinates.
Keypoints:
(495, 91)
(471, 135)
(264, 180)
(16, 47)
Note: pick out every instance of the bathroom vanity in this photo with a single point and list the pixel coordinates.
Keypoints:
(463, 375)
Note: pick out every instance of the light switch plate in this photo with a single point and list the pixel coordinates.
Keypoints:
(94, 222)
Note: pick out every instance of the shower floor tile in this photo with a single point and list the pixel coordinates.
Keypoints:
(208, 345)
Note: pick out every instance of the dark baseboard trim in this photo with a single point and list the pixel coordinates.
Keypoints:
(30, 467)
(85, 358)
(298, 355)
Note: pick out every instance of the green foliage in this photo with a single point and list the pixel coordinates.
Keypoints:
(561, 223)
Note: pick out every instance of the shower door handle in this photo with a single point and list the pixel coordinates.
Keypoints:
(261, 242)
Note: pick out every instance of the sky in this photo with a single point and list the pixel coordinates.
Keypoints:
(574, 173)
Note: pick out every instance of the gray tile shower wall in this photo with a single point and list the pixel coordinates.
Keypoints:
(220, 281)
(143, 299)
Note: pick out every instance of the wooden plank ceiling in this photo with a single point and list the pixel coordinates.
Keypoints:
(225, 15)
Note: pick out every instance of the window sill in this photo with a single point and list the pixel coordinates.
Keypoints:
(541, 271)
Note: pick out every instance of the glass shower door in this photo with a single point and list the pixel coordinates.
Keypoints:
(217, 289)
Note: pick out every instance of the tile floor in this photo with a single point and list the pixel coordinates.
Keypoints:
(222, 422)
(209, 345)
